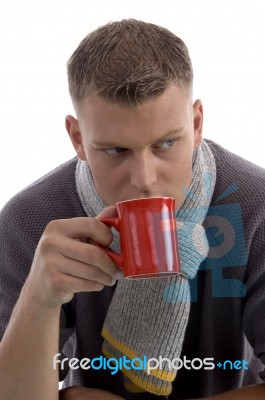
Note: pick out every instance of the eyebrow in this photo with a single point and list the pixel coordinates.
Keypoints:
(115, 144)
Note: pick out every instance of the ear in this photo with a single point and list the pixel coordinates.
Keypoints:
(73, 130)
(197, 122)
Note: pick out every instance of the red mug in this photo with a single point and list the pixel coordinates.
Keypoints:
(148, 237)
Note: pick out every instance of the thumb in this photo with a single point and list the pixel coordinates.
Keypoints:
(108, 212)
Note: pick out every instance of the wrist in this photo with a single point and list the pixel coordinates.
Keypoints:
(33, 303)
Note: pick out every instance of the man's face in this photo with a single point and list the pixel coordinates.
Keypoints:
(142, 151)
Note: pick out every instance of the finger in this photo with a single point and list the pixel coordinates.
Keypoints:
(81, 227)
(108, 212)
(72, 284)
(88, 254)
(84, 271)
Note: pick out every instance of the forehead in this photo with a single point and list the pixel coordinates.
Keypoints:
(102, 119)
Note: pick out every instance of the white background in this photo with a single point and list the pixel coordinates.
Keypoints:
(227, 45)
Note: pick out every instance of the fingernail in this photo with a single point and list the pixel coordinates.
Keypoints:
(119, 275)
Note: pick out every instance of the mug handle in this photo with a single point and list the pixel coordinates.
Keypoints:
(116, 257)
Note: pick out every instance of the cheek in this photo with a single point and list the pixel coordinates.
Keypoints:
(182, 164)
(106, 179)
(180, 173)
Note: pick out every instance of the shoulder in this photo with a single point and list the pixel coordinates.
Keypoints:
(235, 166)
(51, 197)
(239, 196)
(238, 179)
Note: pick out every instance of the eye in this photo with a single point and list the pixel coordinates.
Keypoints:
(165, 144)
(115, 151)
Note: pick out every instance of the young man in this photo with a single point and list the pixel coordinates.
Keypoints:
(137, 133)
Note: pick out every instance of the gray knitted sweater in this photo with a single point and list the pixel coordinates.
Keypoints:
(227, 319)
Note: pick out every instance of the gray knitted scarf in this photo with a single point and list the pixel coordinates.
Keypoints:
(147, 318)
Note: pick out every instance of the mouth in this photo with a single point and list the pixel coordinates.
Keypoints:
(145, 196)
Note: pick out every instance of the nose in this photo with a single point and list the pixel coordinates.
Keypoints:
(143, 171)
